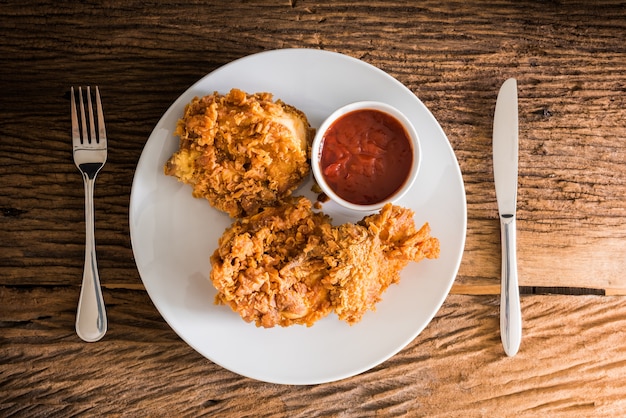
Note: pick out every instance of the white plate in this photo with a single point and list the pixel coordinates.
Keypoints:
(174, 234)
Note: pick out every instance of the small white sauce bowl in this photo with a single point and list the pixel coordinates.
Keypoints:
(318, 144)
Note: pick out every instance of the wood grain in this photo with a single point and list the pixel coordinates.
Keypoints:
(571, 363)
(567, 59)
(570, 62)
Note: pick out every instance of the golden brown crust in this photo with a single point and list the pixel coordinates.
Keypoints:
(266, 267)
(288, 265)
(370, 256)
(241, 152)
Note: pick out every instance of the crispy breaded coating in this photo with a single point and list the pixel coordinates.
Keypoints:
(267, 268)
(242, 152)
(369, 257)
(288, 265)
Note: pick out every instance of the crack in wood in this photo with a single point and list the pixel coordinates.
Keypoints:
(545, 290)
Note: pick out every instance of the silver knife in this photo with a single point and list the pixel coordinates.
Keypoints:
(505, 157)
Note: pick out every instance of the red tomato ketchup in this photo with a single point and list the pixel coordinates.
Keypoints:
(366, 156)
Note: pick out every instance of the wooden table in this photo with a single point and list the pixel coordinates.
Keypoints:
(570, 62)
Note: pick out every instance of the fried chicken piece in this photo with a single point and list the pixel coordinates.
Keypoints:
(267, 269)
(288, 265)
(242, 152)
(369, 257)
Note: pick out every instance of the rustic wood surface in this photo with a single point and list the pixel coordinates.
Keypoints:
(570, 62)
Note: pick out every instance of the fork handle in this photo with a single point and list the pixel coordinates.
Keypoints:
(91, 319)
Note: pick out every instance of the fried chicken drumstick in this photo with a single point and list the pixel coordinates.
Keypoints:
(289, 265)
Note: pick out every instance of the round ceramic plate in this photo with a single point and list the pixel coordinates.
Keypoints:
(173, 234)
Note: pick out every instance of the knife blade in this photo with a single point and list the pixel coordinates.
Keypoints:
(505, 164)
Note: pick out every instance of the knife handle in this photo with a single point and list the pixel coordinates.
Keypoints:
(510, 310)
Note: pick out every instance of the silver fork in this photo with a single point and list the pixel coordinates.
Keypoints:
(90, 153)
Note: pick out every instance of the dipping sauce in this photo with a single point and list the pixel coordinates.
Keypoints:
(366, 156)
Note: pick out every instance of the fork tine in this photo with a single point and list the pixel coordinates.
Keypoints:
(85, 139)
(102, 135)
(85, 125)
(92, 129)
(75, 128)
